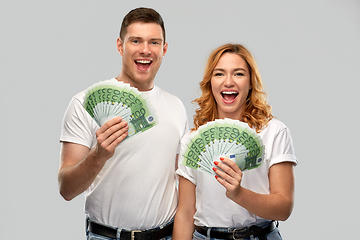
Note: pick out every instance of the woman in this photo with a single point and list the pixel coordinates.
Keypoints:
(236, 204)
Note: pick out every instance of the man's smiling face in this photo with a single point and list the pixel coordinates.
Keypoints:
(142, 50)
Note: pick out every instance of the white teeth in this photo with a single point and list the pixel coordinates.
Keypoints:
(229, 92)
(143, 61)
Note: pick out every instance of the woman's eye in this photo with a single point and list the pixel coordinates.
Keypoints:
(218, 74)
(239, 74)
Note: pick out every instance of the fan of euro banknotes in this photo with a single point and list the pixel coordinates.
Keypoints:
(108, 99)
(223, 138)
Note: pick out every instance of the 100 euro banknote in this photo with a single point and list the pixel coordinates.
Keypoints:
(108, 99)
(223, 138)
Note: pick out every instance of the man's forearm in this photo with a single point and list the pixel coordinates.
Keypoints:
(75, 179)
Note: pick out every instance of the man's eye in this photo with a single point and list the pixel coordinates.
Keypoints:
(155, 43)
(135, 41)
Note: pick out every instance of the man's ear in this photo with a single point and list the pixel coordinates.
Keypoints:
(165, 48)
(119, 45)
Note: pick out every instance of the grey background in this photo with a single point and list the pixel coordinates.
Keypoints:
(308, 55)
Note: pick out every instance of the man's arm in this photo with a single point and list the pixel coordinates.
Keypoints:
(79, 165)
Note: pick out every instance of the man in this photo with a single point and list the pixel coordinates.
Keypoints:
(130, 186)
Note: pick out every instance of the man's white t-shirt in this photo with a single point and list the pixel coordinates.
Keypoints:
(136, 189)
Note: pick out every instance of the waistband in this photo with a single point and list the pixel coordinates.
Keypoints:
(148, 234)
(239, 233)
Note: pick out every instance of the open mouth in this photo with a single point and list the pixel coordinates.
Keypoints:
(229, 96)
(143, 64)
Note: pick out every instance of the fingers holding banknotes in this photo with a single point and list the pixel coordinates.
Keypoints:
(229, 175)
(110, 135)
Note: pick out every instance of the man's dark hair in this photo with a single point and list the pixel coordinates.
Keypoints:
(142, 14)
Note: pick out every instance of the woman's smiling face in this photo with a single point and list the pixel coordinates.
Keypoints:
(230, 84)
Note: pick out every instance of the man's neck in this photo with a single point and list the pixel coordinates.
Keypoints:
(142, 87)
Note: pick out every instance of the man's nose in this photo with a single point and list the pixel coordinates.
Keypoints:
(145, 49)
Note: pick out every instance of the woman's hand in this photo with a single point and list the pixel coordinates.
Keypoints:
(276, 206)
(230, 177)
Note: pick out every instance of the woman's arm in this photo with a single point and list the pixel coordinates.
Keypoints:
(277, 205)
(184, 221)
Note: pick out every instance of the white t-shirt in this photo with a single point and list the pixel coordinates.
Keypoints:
(136, 189)
(213, 208)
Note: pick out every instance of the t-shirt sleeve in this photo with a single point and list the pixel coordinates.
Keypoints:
(283, 148)
(182, 170)
(77, 126)
(186, 125)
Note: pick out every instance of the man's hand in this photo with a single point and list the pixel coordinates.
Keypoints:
(109, 136)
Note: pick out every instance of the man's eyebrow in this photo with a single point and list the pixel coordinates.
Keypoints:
(134, 37)
(140, 38)
(156, 39)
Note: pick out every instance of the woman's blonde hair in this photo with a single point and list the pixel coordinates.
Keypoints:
(257, 111)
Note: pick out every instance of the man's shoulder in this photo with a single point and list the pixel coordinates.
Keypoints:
(168, 95)
(80, 95)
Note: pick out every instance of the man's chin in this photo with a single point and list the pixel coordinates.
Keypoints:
(144, 84)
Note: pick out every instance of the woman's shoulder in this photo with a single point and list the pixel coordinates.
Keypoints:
(186, 136)
(274, 125)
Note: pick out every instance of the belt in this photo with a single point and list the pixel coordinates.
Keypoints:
(150, 234)
(239, 233)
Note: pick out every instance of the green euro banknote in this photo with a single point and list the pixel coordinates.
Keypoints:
(223, 138)
(111, 98)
